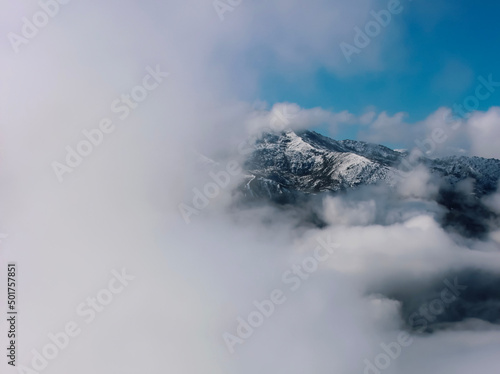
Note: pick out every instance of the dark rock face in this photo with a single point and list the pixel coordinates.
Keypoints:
(312, 163)
(468, 295)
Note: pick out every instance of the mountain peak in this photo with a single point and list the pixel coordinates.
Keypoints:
(309, 162)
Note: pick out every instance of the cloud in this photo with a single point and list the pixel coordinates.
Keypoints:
(483, 130)
(291, 116)
(386, 128)
(419, 184)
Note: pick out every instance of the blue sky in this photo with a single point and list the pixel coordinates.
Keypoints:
(442, 48)
(428, 57)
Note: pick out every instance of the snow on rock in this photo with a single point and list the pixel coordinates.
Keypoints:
(307, 162)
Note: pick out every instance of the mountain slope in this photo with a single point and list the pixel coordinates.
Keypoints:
(307, 162)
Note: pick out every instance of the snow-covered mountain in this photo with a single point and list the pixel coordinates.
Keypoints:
(284, 165)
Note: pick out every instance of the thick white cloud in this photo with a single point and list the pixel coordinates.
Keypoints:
(484, 132)
(291, 116)
(386, 128)
(418, 184)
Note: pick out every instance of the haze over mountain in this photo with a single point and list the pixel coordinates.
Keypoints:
(288, 167)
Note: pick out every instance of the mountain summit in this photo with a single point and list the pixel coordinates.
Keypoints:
(306, 162)
(290, 168)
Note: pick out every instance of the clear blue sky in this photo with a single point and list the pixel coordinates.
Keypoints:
(443, 47)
